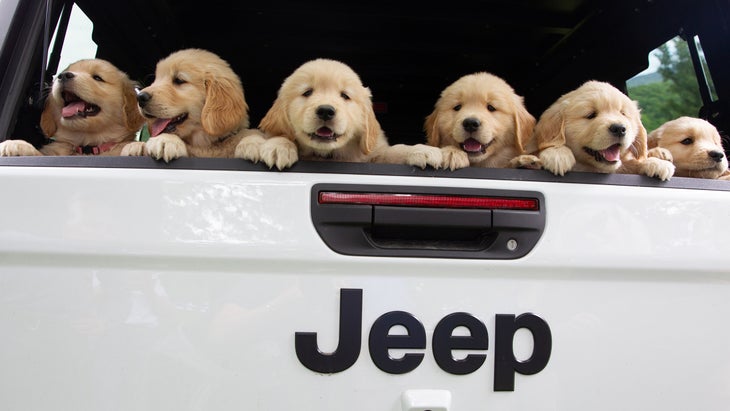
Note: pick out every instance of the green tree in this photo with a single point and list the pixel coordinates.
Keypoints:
(677, 94)
(676, 68)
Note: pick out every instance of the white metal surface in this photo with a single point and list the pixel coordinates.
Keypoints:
(182, 290)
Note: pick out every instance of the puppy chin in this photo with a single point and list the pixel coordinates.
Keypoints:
(585, 162)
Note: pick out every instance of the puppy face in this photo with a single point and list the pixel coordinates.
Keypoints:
(91, 102)
(481, 114)
(598, 123)
(324, 107)
(196, 96)
(695, 145)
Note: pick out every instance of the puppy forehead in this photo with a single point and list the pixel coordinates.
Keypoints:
(326, 74)
(684, 127)
(478, 87)
(95, 67)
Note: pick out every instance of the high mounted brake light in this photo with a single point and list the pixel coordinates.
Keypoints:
(429, 200)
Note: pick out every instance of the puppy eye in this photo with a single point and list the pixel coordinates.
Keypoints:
(491, 108)
(592, 115)
(178, 81)
(687, 141)
(457, 107)
(307, 93)
(344, 96)
(97, 78)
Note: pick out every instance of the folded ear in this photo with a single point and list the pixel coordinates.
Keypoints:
(550, 128)
(372, 129)
(276, 121)
(652, 139)
(48, 120)
(132, 117)
(639, 146)
(430, 126)
(225, 109)
(524, 125)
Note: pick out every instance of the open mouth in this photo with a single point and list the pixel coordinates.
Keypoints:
(472, 146)
(166, 125)
(608, 155)
(73, 106)
(324, 134)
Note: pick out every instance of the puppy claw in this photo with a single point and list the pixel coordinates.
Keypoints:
(15, 148)
(279, 152)
(558, 160)
(660, 153)
(423, 155)
(454, 158)
(526, 161)
(249, 148)
(136, 148)
(166, 147)
(661, 169)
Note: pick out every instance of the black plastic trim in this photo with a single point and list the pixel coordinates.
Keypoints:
(386, 231)
(325, 167)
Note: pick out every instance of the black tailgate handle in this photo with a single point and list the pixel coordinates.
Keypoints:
(405, 221)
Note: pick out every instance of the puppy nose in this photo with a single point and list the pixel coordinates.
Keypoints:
(65, 76)
(717, 156)
(471, 124)
(325, 112)
(143, 98)
(618, 130)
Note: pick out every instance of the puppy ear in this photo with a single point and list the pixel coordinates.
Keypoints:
(48, 122)
(276, 121)
(430, 126)
(652, 139)
(639, 146)
(550, 128)
(524, 125)
(132, 118)
(225, 107)
(372, 129)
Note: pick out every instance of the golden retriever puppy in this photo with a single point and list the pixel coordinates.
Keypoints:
(323, 112)
(693, 145)
(594, 128)
(195, 108)
(480, 121)
(91, 109)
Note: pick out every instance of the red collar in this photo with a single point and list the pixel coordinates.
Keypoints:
(95, 149)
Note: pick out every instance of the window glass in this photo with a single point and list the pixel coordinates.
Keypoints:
(77, 44)
(668, 88)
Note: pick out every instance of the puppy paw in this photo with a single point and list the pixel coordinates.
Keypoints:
(279, 152)
(661, 153)
(557, 160)
(526, 161)
(136, 148)
(14, 148)
(166, 147)
(454, 158)
(655, 167)
(249, 148)
(422, 155)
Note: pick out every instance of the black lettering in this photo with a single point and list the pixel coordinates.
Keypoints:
(444, 341)
(348, 346)
(381, 341)
(505, 363)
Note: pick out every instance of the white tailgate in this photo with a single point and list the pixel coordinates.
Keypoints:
(183, 290)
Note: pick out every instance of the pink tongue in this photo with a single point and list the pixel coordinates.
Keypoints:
(324, 132)
(472, 146)
(612, 153)
(159, 126)
(73, 108)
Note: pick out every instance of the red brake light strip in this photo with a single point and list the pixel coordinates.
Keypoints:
(429, 200)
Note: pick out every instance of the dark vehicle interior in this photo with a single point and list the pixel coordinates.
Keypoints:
(405, 52)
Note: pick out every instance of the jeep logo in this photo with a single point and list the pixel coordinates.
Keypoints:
(380, 341)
